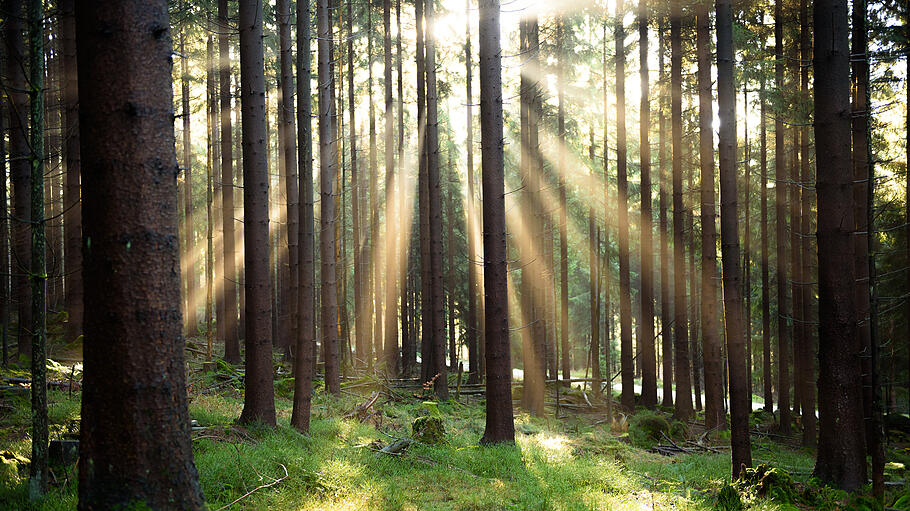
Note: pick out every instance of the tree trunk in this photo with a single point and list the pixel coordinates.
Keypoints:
(20, 171)
(133, 328)
(622, 217)
(408, 348)
(189, 224)
(683, 405)
(435, 209)
(740, 397)
(767, 375)
(841, 451)
(209, 196)
(327, 163)
(499, 423)
(306, 292)
(561, 173)
(259, 396)
(715, 417)
(390, 348)
(72, 205)
(283, 14)
(864, 261)
(780, 191)
(649, 357)
(594, 289)
(666, 307)
(427, 361)
(471, 230)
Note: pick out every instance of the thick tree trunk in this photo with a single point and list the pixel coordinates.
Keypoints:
(648, 354)
(740, 397)
(841, 451)
(328, 161)
(499, 423)
(259, 395)
(306, 292)
(683, 405)
(780, 192)
(133, 328)
(712, 347)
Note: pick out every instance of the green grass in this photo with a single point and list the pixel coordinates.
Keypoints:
(566, 464)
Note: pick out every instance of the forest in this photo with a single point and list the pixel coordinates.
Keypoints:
(446, 255)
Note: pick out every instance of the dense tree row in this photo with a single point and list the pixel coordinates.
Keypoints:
(558, 265)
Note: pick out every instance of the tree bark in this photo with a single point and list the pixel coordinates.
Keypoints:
(72, 204)
(471, 330)
(712, 357)
(283, 12)
(189, 224)
(740, 397)
(259, 395)
(666, 307)
(841, 451)
(648, 354)
(780, 192)
(767, 374)
(561, 173)
(133, 350)
(304, 362)
(683, 404)
(500, 427)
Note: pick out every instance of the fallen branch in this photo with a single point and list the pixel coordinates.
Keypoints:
(261, 486)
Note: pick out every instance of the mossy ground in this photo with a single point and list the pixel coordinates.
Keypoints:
(570, 463)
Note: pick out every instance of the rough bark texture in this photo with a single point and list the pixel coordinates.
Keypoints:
(841, 451)
(648, 353)
(283, 12)
(500, 426)
(328, 161)
(683, 404)
(133, 349)
(666, 309)
(715, 416)
(740, 397)
(259, 394)
(306, 315)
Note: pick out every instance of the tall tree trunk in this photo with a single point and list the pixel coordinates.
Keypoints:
(408, 348)
(767, 375)
(209, 196)
(798, 328)
(133, 328)
(780, 192)
(648, 355)
(500, 426)
(692, 275)
(435, 209)
(360, 320)
(622, 216)
(391, 281)
(471, 229)
(683, 405)
(666, 307)
(740, 397)
(747, 236)
(712, 347)
(841, 450)
(72, 205)
(864, 238)
(594, 264)
(38, 472)
(229, 279)
(372, 263)
(5, 294)
(289, 156)
(306, 291)
(807, 375)
(327, 162)
(427, 363)
(259, 396)
(192, 323)
(20, 172)
(561, 174)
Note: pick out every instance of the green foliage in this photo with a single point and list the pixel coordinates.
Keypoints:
(728, 499)
(770, 482)
(646, 429)
(429, 430)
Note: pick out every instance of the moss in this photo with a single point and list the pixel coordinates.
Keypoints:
(728, 499)
(770, 482)
(13, 468)
(646, 428)
(429, 430)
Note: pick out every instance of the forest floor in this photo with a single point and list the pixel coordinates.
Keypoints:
(574, 462)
